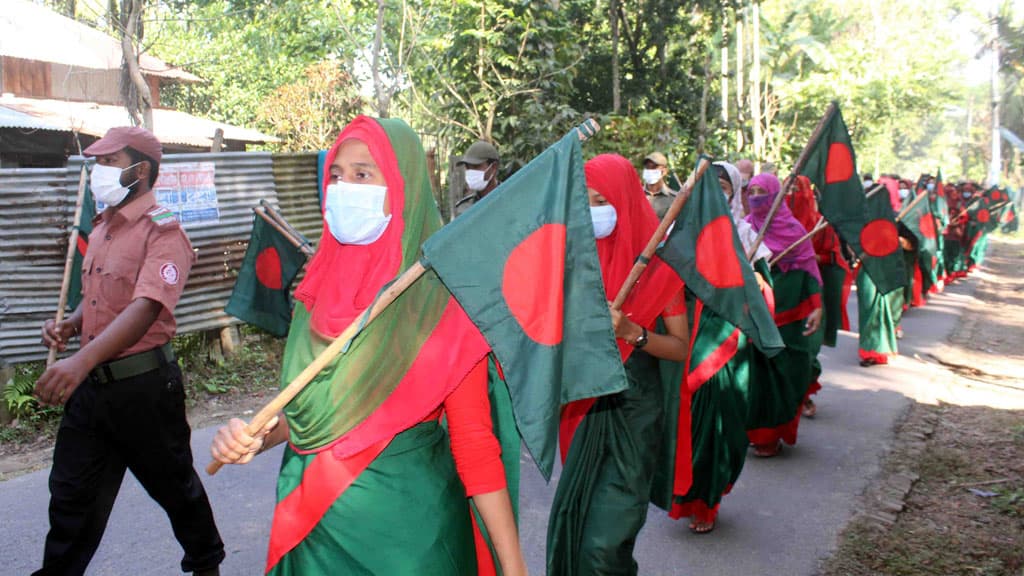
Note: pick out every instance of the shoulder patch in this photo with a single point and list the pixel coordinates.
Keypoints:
(169, 273)
(162, 216)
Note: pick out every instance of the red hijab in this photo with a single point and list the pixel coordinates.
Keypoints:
(616, 179)
(343, 279)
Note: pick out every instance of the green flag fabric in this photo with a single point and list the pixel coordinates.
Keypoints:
(523, 264)
(705, 251)
(881, 254)
(84, 226)
(921, 221)
(831, 166)
(261, 295)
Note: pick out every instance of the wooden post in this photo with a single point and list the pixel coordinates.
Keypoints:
(218, 140)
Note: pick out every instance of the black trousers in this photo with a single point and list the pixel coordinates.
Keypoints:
(136, 424)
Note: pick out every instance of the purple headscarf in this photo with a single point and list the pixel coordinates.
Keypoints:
(783, 230)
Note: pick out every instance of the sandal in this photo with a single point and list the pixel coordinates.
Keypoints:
(810, 409)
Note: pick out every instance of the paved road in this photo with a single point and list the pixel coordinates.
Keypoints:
(782, 518)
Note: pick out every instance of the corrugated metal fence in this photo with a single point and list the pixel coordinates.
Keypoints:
(37, 206)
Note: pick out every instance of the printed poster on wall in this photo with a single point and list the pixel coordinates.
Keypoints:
(187, 189)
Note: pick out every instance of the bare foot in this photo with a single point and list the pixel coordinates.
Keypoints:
(768, 450)
(702, 526)
(809, 408)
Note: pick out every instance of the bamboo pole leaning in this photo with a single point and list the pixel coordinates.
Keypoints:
(659, 234)
(821, 225)
(804, 155)
(262, 212)
(386, 298)
(69, 260)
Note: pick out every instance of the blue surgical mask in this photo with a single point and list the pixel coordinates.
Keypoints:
(604, 219)
(930, 187)
(355, 212)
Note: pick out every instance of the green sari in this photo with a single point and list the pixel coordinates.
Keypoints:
(602, 496)
(876, 321)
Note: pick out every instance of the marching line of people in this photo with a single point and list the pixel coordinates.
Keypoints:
(400, 456)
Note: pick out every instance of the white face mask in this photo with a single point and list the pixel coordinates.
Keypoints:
(476, 180)
(652, 176)
(904, 193)
(604, 219)
(355, 212)
(868, 184)
(105, 182)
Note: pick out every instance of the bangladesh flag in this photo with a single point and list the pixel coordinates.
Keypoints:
(261, 295)
(831, 166)
(921, 222)
(984, 214)
(881, 254)
(523, 264)
(705, 251)
(84, 226)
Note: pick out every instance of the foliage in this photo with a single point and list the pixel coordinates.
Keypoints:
(253, 367)
(19, 401)
(637, 136)
(306, 114)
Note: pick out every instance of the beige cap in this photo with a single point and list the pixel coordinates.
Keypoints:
(658, 158)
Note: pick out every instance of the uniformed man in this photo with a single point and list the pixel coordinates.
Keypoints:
(482, 165)
(658, 192)
(124, 404)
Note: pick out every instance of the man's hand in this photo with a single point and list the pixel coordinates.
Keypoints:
(60, 380)
(57, 335)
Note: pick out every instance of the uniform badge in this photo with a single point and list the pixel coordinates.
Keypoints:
(169, 273)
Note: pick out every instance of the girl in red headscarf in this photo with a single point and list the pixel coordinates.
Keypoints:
(610, 445)
(836, 275)
(371, 482)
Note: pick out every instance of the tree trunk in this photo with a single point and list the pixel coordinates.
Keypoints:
(613, 13)
(740, 78)
(135, 89)
(755, 85)
(378, 84)
(995, 166)
(702, 123)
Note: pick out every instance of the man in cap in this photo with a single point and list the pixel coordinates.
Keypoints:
(482, 164)
(658, 192)
(124, 403)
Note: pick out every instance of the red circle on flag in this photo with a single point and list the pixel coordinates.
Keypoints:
(879, 238)
(532, 284)
(839, 167)
(716, 261)
(268, 268)
(83, 245)
(984, 216)
(996, 195)
(927, 226)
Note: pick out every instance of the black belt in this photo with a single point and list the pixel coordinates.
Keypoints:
(133, 365)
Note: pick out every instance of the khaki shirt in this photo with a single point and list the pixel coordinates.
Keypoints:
(139, 251)
(465, 203)
(661, 199)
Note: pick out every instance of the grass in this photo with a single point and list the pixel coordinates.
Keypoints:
(254, 367)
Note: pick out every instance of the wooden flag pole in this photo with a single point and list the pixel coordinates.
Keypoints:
(276, 215)
(815, 136)
(659, 233)
(910, 206)
(821, 225)
(261, 211)
(389, 295)
(69, 261)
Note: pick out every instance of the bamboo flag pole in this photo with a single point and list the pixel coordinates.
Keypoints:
(659, 234)
(262, 213)
(389, 295)
(69, 261)
(821, 225)
(815, 136)
(910, 206)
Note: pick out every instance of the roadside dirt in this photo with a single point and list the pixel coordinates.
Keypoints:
(950, 498)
